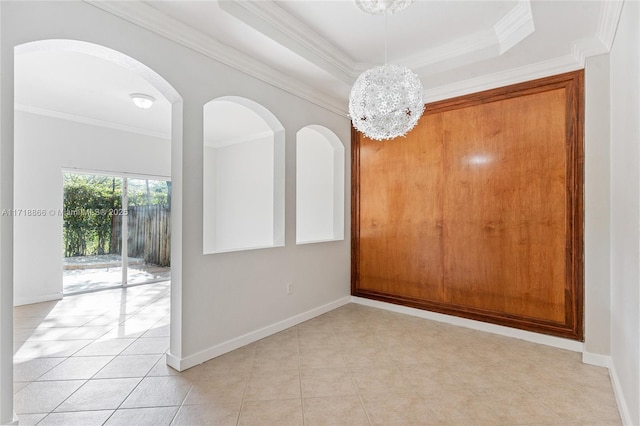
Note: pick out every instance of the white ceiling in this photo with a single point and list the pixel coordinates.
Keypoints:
(88, 89)
(316, 49)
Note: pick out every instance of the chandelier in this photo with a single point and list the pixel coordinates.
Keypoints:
(383, 7)
(386, 100)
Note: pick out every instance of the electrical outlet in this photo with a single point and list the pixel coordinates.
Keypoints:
(289, 288)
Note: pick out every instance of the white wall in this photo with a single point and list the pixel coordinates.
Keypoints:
(244, 180)
(209, 196)
(314, 187)
(625, 211)
(597, 213)
(6, 238)
(227, 295)
(44, 146)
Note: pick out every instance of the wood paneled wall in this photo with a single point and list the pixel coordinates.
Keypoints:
(478, 212)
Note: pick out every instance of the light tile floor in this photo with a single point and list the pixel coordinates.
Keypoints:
(98, 358)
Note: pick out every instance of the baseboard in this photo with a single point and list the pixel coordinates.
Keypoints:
(173, 362)
(623, 408)
(587, 357)
(230, 345)
(19, 301)
(596, 359)
(16, 420)
(529, 336)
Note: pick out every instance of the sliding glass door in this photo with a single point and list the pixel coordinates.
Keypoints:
(148, 226)
(106, 216)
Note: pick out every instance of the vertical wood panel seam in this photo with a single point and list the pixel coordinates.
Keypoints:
(573, 84)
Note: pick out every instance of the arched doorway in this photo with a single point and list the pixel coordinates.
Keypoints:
(83, 120)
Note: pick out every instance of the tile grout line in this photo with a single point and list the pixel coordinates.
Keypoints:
(246, 385)
(141, 379)
(150, 303)
(355, 385)
(299, 373)
(93, 376)
(576, 380)
(72, 393)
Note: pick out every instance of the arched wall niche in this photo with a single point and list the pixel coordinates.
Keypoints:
(319, 185)
(243, 176)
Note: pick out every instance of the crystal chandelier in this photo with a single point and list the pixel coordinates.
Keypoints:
(386, 100)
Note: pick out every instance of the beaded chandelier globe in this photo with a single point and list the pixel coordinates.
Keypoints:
(386, 100)
(383, 7)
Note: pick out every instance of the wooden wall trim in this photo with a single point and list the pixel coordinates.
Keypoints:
(572, 80)
(572, 327)
(355, 209)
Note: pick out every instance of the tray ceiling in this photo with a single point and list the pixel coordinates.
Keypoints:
(316, 49)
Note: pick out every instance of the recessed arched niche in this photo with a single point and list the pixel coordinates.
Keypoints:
(319, 185)
(243, 187)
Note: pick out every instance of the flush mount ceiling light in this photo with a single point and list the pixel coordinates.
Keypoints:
(142, 101)
(383, 7)
(386, 100)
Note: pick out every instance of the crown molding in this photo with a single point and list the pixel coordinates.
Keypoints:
(504, 78)
(583, 48)
(91, 121)
(273, 21)
(276, 23)
(515, 26)
(153, 20)
(482, 45)
(510, 30)
(610, 12)
(607, 25)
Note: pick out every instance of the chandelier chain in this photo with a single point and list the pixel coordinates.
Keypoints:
(386, 36)
(386, 101)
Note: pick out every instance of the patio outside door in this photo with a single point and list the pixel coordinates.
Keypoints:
(104, 215)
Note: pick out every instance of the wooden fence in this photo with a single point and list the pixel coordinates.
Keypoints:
(149, 229)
